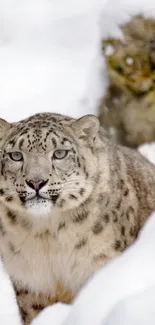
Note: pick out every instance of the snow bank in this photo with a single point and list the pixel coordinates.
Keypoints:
(55, 315)
(9, 314)
(136, 310)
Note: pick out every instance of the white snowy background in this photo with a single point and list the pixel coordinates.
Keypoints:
(50, 60)
(49, 57)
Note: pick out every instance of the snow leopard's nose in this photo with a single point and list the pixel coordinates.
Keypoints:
(37, 184)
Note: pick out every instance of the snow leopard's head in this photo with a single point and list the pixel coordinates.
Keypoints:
(47, 162)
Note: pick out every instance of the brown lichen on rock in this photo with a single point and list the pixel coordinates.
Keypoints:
(128, 108)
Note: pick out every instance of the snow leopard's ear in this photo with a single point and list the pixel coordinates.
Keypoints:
(86, 126)
(4, 129)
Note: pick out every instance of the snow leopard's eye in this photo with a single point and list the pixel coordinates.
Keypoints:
(16, 156)
(60, 154)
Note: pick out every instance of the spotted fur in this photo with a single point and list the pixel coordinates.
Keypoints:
(90, 207)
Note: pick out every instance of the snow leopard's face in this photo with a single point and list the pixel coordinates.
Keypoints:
(47, 162)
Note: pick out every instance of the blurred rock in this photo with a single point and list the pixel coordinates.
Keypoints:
(127, 110)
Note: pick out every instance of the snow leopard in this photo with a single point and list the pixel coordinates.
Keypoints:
(71, 200)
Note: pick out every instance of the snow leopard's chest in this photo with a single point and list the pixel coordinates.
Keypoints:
(41, 263)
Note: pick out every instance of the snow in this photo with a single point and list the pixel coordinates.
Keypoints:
(49, 57)
(135, 310)
(8, 308)
(148, 150)
(119, 12)
(56, 313)
(50, 60)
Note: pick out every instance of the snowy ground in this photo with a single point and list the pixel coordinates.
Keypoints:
(50, 61)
